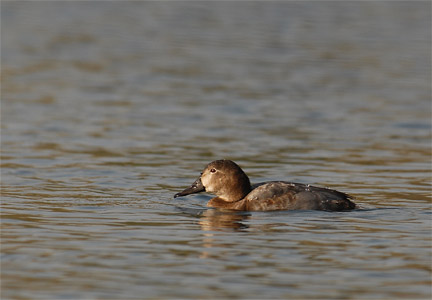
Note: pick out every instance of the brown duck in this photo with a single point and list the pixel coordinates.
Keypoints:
(231, 185)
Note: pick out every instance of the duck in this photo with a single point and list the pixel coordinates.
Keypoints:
(233, 190)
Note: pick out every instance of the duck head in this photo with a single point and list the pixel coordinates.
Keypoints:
(223, 178)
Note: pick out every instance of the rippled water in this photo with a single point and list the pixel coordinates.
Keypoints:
(109, 108)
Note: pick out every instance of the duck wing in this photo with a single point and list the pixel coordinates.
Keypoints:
(283, 195)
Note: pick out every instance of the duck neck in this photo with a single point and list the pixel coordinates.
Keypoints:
(222, 203)
(235, 190)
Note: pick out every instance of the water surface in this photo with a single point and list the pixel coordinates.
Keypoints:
(110, 108)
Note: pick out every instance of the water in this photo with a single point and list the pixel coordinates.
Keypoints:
(110, 108)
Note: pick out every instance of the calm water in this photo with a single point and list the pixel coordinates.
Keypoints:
(110, 108)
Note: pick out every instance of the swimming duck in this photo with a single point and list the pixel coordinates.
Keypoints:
(231, 185)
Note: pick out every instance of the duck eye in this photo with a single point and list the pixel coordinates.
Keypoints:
(213, 170)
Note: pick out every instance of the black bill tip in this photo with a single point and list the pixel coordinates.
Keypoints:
(196, 187)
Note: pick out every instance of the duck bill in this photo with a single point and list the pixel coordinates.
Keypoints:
(196, 187)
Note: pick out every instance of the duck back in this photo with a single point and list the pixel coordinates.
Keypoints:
(283, 195)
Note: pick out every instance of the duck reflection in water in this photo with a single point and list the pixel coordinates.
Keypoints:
(231, 185)
(212, 219)
(218, 219)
